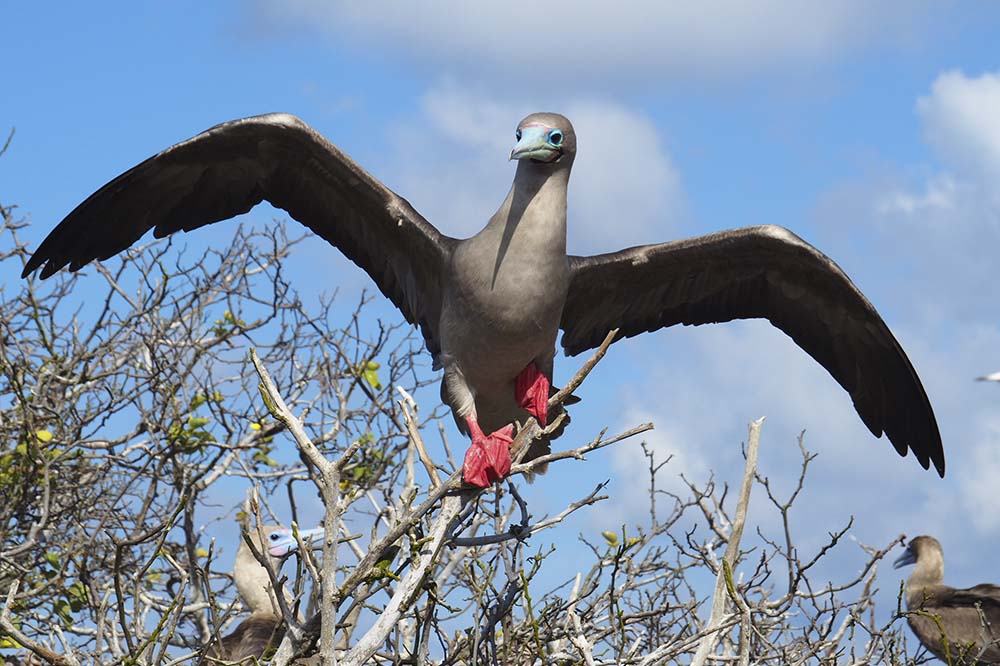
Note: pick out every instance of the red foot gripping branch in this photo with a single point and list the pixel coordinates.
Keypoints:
(488, 458)
(531, 390)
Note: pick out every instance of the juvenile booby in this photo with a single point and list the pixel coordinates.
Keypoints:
(965, 622)
(490, 306)
(252, 636)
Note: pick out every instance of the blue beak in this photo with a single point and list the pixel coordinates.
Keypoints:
(906, 559)
(283, 541)
(534, 144)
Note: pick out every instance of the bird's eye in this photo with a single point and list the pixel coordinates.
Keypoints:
(556, 138)
(274, 536)
(517, 135)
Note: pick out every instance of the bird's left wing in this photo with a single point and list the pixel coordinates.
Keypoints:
(229, 169)
(759, 272)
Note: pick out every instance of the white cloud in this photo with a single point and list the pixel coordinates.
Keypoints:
(940, 194)
(451, 162)
(669, 442)
(625, 42)
(940, 234)
(979, 490)
(961, 120)
(941, 230)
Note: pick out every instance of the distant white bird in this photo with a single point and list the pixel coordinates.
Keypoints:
(992, 377)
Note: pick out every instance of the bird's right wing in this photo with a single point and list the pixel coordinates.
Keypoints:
(229, 169)
(759, 272)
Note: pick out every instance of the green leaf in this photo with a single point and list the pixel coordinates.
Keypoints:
(611, 538)
(43, 436)
(77, 592)
(62, 609)
(76, 596)
(52, 559)
(370, 374)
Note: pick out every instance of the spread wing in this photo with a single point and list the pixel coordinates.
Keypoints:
(759, 272)
(229, 169)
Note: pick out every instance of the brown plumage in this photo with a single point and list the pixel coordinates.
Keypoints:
(957, 625)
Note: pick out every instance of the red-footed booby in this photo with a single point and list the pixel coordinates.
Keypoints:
(252, 636)
(490, 306)
(959, 626)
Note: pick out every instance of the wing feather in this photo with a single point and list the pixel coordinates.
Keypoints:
(759, 272)
(229, 169)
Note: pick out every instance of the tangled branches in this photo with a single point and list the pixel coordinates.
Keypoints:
(131, 419)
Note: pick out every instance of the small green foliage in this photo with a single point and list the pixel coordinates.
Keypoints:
(227, 324)
(76, 594)
(27, 459)
(7, 643)
(383, 568)
(191, 436)
(369, 372)
(63, 610)
(262, 455)
(620, 541)
(363, 471)
(195, 422)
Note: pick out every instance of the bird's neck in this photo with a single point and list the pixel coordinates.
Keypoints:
(534, 211)
(253, 584)
(927, 574)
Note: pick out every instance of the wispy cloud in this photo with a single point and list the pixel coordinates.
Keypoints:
(623, 43)
(961, 118)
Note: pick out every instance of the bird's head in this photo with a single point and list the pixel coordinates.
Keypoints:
(252, 579)
(545, 138)
(918, 547)
(281, 541)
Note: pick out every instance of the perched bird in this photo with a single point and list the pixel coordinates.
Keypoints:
(490, 306)
(957, 626)
(252, 636)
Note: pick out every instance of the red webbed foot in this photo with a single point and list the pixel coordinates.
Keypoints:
(531, 390)
(488, 458)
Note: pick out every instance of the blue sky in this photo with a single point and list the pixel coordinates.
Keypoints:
(871, 131)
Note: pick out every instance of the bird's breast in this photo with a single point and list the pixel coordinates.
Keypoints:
(495, 322)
